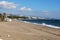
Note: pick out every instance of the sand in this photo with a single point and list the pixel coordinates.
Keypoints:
(16, 30)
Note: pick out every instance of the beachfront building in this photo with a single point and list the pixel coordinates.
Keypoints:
(34, 17)
(41, 18)
(29, 17)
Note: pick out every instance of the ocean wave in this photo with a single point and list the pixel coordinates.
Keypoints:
(52, 26)
(26, 22)
(44, 24)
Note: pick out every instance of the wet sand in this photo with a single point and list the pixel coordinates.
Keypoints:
(16, 30)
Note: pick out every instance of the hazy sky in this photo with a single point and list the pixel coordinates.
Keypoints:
(43, 8)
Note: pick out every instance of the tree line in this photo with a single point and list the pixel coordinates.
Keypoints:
(3, 16)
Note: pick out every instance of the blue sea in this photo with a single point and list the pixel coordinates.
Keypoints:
(49, 23)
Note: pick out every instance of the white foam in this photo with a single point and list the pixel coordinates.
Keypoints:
(34, 23)
(52, 26)
(26, 22)
(44, 24)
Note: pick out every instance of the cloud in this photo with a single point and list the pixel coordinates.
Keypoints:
(8, 5)
(25, 9)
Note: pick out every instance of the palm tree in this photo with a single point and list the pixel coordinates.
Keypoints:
(3, 16)
(0, 17)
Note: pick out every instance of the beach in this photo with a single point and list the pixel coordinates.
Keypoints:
(16, 30)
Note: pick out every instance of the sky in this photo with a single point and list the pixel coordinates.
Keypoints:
(40, 8)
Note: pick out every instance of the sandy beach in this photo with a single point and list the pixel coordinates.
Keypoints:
(16, 30)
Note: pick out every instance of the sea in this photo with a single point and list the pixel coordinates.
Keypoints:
(48, 23)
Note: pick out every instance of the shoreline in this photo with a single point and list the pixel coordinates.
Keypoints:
(43, 24)
(16, 30)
